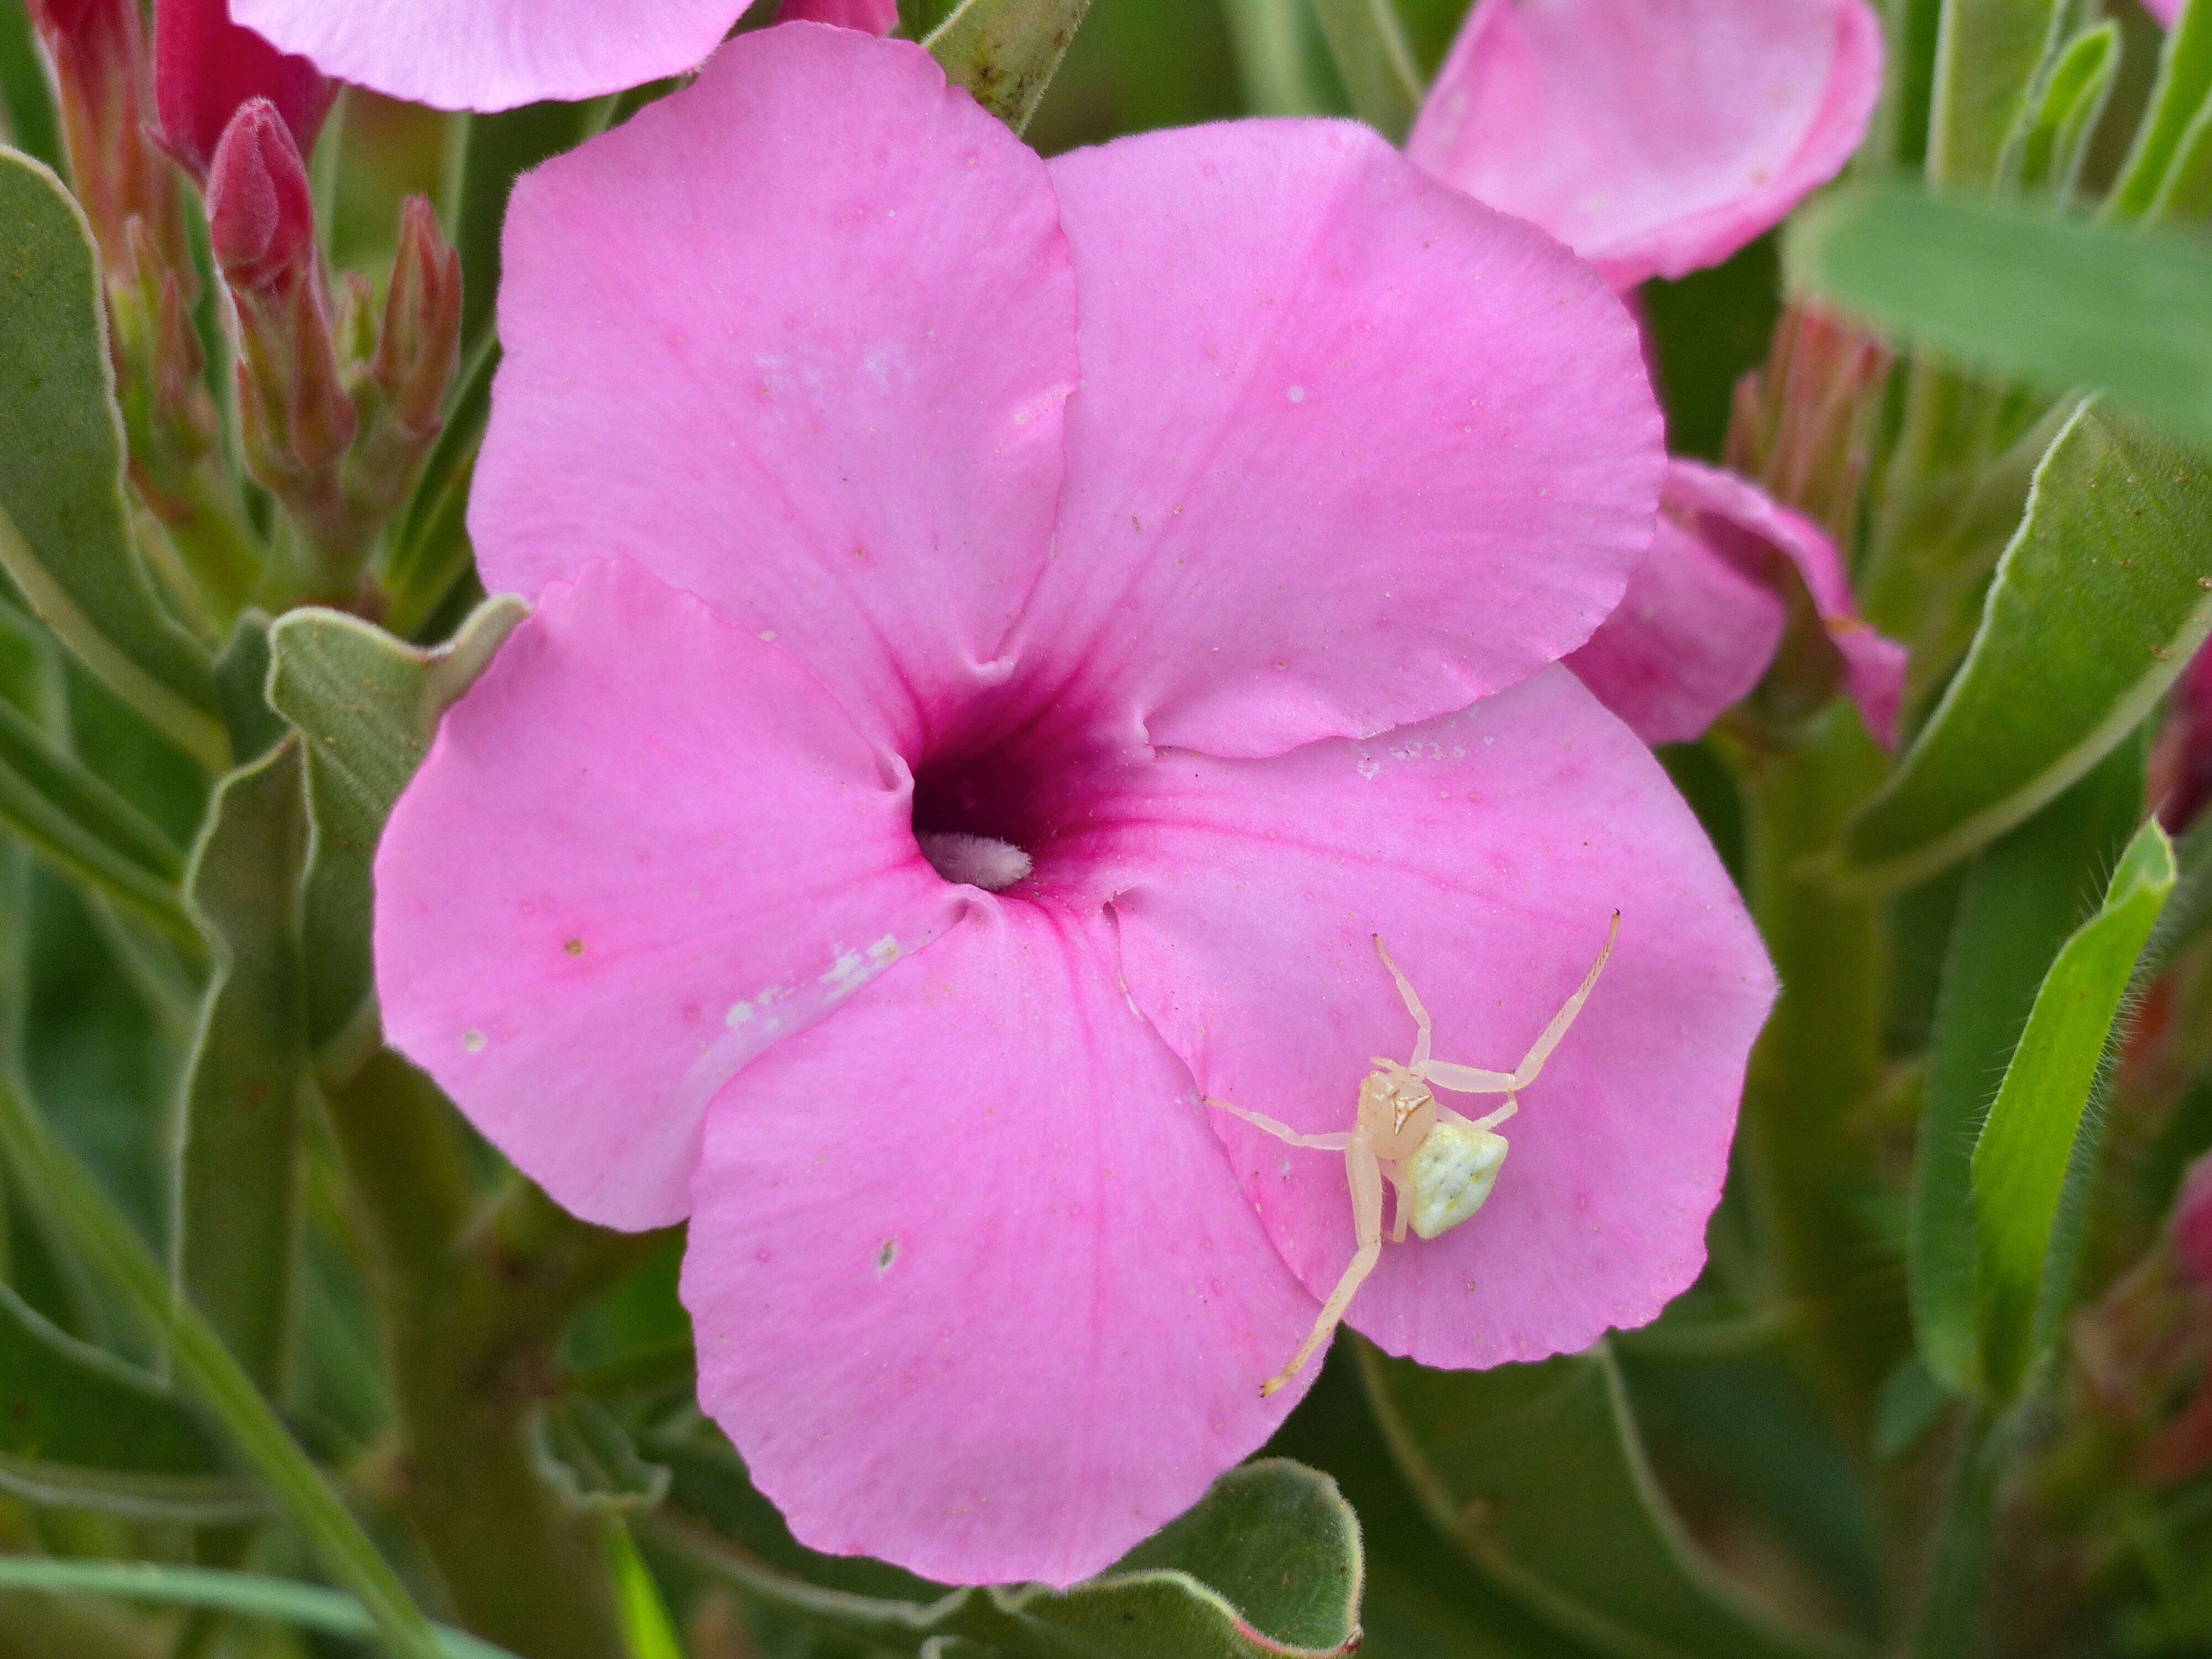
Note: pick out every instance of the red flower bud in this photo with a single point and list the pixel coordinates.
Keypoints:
(103, 83)
(261, 213)
(205, 67)
(2191, 1226)
(871, 16)
(417, 353)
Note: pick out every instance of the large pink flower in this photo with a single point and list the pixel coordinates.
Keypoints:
(494, 54)
(1007, 636)
(1652, 137)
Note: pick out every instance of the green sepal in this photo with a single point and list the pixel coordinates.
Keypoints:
(2021, 1161)
(581, 1448)
(2098, 603)
(1006, 52)
(2047, 148)
(65, 534)
(2183, 90)
(1989, 56)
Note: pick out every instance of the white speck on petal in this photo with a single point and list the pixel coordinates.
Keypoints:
(975, 860)
(769, 634)
(739, 1013)
(473, 1042)
(1298, 394)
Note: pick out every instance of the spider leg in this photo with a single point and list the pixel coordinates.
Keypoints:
(1283, 1132)
(1363, 1171)
(1403, 1185)
(1533, 1061)
(1413, 1007)
(1512, 1105)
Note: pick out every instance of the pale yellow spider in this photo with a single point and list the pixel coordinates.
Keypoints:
(1442, 1165)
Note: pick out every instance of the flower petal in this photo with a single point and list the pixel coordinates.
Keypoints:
(644, 847)
(1691, 637)
(494, 54)
(1652, 137)
(873, 16)
(1765, 540)
(974, 1287)
(1488, 849)
(1349, 449)
(796, 338)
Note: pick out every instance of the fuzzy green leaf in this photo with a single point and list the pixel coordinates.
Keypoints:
(64, 531)
(25, 95)
(1006, 52)
(2020, 290)
(1266, 1566)
(366, 704)
(2098, 603)
(2022, 1159)
(2023, 897)
(1538, 1471)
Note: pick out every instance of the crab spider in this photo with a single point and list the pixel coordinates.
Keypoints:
(1441, 1164)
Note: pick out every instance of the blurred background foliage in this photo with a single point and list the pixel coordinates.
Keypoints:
(1809, 1454)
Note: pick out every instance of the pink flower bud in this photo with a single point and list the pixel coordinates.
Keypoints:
(205, 67)
(870, 16)
(261, 213)
(2191, 1226)
(103, 82)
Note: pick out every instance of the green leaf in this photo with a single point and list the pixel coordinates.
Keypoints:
(2184, 85)
(1276, 43)
(366, 704)
(1538, 1471)
(2098, 603)
(2188, 914)
(248, 1594)
(1372, 54)
(245, 1094)
(65, 531)
(111, 1246)
(2185, 197)
(497, 150)
(24, 94)
(1988, 53)
(1005, 52)
(2046, 150)
(2023, 897)
(651, 1631)
(87, 831)
(80, 1428)
(430, 548)
(2020, 1161)
(2019, 290)
(1267, 1565)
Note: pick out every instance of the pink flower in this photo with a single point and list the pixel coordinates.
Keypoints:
(2165, 11)
(205, 67)
(1008, 636)
(1652, 137)
(494, 54)
(873, 16)
(1705, 613)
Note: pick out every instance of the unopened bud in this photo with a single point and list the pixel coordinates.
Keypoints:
(871, 16)
(261, 212)
(2191, 1226)
(166, 409)
(419, 347)
(206, 67)
(103, 83)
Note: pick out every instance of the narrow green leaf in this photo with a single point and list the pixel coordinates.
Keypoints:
(494, 152)
(1275, 42)
(1266, 1566)
(24, 94)
(2024, 895)
(2185, 197)
(1914, 28)
(1006, 52)
(366, 704)
(78, 1427)
(249, 1594)
(2020, 1161)
(86, 830)
(111, 1246)
(1538, 1471)
(65, 531)
(2046, 150)
(2184, 83)
(1372, 54)
(430, 548)
(240, 1197)
(1988, 53)
(645, 1614)
(2019, 290)
(2099, 602)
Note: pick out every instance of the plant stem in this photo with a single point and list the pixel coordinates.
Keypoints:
(109, 1242)
(470, 1322)
(1818, 1061)
(1950, 1622)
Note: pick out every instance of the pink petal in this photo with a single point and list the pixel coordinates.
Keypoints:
(1652, 137)
(974, 1288)
(644, 847)
(494, 54)
(1349, 449)
(871, 16)
(797, 339)
(1759, 537)
(1692, 637)
(1488, 849)
(2165, 11)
